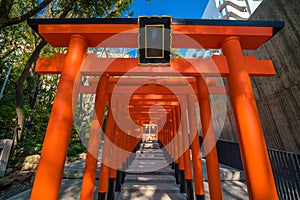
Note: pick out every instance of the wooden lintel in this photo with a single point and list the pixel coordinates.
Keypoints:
(151, 88)
(183, 35)
(173, 81)
(150, 102)
(217, 66)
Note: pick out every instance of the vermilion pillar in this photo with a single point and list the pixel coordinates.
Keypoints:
(197, 163)
(212, 165)
(123, 141)
(174, 150)
(106, 157)
(112, 171)
(90, 169)
(121, 157)
(258, 171)
(54, 151)
(179, 144)
(89, 176)
(187, 157)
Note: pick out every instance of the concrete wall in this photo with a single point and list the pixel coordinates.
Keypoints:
(278, 97)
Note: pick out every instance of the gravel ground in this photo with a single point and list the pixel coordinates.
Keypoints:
(23, 180)
(14, 189)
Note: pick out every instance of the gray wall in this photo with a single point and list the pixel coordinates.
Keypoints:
(278, 97)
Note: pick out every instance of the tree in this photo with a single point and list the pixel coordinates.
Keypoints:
(21, 47)
(8, 6)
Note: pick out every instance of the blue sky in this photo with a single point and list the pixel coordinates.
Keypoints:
(187, 9)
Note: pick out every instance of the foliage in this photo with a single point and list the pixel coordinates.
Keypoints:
(18, 44)
(75, 145)
(15, 47)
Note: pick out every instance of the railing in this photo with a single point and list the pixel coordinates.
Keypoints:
(234, 9)
(285, 165)
(286, 169)
(232, 4)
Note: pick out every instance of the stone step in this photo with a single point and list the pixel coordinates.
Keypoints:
(150, 167)
(150, 179)
(149, 142)
(147, 154)
(149, 158)
(150, 188)
(150, 146)
(147, 164)
(150, 152)
(150, 196)
(163, 171)
(147, 171)
(229, 175)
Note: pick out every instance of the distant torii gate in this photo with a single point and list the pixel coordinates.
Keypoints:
(231, 36)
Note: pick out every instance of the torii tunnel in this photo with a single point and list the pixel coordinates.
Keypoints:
(163, 94)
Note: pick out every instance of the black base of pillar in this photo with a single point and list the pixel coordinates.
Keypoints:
(177, 173)
(160, 144)
(118, 181)
(101, 195)
(200, 197)
(189, 189)
(123, 177)
(182, 181)
(136, 148)
(111, 188)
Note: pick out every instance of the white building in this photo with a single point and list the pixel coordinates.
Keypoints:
(224, 9)
(230, 9)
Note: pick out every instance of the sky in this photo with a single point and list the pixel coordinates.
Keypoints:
(187, 9)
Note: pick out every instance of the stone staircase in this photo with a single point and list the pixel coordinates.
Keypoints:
(149, 176)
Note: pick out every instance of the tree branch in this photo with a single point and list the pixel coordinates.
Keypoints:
(5, 7)
(34, 11)
(112, 12)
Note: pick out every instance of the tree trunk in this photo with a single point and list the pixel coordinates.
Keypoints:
(19, 83)
(19, 111)
(19, 88)
(85, 114)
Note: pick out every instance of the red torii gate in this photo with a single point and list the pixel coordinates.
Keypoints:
(140, 114)
(172, 107)
(170, 103)
(230, 36)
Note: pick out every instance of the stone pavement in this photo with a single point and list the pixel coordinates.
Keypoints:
(149, 176)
